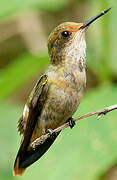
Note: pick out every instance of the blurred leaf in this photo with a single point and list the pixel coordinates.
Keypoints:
(19, 71)
(101, 51)
(8, 139)
(81, 153)
(9, 7)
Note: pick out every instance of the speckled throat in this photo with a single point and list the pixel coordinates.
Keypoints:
(76, 51)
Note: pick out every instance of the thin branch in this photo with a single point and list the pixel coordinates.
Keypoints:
(100, 113)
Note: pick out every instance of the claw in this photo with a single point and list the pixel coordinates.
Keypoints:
(71, 122)
(51, 133)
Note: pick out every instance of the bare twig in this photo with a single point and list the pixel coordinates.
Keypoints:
(100, 113)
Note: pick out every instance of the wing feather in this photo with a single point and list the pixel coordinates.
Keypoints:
(35, 104)
(31, 103)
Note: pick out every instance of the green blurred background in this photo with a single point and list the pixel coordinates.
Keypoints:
(89, 151)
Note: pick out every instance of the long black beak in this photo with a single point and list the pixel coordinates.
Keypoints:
(87, 23)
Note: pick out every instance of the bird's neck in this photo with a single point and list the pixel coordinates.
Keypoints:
(72, 62)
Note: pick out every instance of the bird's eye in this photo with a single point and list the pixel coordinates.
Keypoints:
(65, 34)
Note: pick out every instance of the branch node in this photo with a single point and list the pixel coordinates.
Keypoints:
(99, 116)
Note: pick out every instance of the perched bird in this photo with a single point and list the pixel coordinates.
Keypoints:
(57, 94)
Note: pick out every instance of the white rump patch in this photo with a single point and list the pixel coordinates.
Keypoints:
(26, 111)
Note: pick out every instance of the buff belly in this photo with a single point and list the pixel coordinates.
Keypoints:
(61, 105)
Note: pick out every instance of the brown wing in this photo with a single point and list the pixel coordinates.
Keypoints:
(20, 126)
(31, 102)
(35, 104)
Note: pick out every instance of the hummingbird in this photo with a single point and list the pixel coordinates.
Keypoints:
(57, 94)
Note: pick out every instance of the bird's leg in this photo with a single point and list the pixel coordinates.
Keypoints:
(71, 122)
(51, 133)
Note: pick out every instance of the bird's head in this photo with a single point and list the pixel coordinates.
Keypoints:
(67, 41)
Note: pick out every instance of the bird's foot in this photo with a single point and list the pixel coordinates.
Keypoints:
(51, 133)
(71, 122)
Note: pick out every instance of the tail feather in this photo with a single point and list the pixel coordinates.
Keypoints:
(21, 163)
(17, 170)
